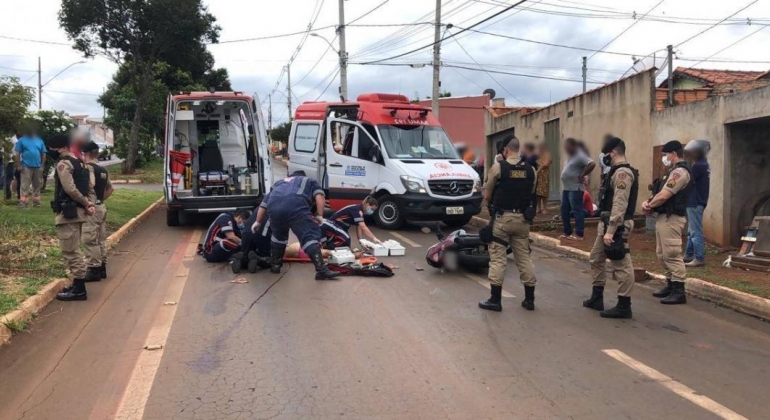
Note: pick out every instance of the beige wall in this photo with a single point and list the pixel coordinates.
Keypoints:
(622, 108)
(706, 120)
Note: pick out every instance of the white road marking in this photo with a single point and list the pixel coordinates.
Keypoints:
(406, 240)
(680, 389)
(485, 282)
(138, 389)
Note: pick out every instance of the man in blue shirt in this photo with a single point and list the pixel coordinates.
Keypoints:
(223, 239)
(289, 205)
(335, 229)
(30, 154)
(696, 151)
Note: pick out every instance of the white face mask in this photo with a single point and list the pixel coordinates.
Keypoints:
(666, 161)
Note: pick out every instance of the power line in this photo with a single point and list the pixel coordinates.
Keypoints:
(714, 25)
(12, 69)
(327, 86)
(729, 46)
(33, 40)
(488, 74)
(71, 93)
(261, 38)
(443, 38)
(723, 60)
(367, 13)
(626, 30)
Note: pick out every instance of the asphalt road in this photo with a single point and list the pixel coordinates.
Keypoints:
(414, 346)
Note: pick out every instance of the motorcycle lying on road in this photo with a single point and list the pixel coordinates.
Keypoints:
(458, 251)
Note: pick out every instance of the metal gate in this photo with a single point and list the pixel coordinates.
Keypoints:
(552, 137)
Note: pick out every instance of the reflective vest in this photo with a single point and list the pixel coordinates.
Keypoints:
(81, 176)
(607, 192)
(514, 189)
(678, 203)
(101, 176)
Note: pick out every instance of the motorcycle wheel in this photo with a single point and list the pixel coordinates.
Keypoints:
(469, 260)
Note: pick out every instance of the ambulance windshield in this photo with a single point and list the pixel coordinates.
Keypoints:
(417, 142)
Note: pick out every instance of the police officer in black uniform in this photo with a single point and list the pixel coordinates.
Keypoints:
(510, 187)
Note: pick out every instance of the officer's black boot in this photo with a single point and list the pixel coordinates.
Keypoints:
(663, 292)
(236, 262)
(76, 292)
(93, 274)
(621, 310)
(493, 303)
(529, 298)
(322, 271)
(276, 257)
(596, 301)
(252, 262)
(103, 270)
(677, 296)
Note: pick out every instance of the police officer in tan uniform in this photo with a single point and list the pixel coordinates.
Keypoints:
(510, 188)
(95, 228)
(71, 204)
(617, 201)
(670, 203)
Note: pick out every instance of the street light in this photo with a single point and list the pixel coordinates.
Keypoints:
(40, 85)
(343, 65)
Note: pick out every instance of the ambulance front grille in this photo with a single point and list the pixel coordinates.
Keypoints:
(451, 187)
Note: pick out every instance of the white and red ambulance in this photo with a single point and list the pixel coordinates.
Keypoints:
(383, 145)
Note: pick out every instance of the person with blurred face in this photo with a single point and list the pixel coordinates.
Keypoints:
(695, 152)
(30, 153)
(577, 168)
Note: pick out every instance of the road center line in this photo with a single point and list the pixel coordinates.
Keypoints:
(138, 388)
(485, 282)
(678, 388)
(406, 240)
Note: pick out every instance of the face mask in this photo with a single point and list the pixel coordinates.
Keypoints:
(607, 159)
(665, 161)
(369, 212)
(54, 154)
(241, 225)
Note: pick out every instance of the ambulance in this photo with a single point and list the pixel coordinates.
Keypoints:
(382, 145)
(216, 154)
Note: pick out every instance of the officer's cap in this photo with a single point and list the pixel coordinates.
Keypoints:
(90, 147)
(611, 143)
(58, 141)
(672, 146)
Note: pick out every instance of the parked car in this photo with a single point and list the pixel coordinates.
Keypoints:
(105, 153)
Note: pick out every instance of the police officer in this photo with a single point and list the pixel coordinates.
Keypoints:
(288, 206)
(670, 202)
(617, 202)
(510, 187)
(95, 228)
(72, 203)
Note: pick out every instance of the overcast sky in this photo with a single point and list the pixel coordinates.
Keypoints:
(255, 66)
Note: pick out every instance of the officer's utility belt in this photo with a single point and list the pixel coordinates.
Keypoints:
(528, 213)
(67, 207)
(619, 247)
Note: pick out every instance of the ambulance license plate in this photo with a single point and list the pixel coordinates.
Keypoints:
(455, 210)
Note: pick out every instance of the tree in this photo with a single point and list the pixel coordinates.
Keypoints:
(445, 94)
(140, 34)
(49, 124)
(14, 101)
(281, 132)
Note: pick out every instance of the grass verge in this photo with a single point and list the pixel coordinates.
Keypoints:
(150, 173)
(29, 251)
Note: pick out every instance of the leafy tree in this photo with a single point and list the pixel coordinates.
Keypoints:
(140, 34)
(49, 124)
(14, 101)
(445, 94)
(281, 132)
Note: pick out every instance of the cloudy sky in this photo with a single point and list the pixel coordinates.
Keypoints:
(256, 65)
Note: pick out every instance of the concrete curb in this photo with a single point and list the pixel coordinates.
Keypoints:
(723, 296)
(127, 181)
(33, 304)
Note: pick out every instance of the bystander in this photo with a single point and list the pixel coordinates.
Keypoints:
(573, 176)
(696, 152)
(30, 156)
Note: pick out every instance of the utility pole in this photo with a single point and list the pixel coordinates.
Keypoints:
(343, 54)
(436, 60)
(288, 87)
(39, 85)
(270, 112)
(670, 49)
(585, 72)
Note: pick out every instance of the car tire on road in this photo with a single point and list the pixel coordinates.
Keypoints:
(389, 214)
(172, 217)
(458, 223)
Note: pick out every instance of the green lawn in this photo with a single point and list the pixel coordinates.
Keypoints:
(29, 252)
(151, 173)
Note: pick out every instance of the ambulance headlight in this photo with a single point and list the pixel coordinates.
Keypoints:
(413, 184)
(476, 186)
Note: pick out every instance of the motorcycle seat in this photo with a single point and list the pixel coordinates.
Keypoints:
(469, 241)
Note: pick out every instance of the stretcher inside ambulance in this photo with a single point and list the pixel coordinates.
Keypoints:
(387, 147)
(216, 155)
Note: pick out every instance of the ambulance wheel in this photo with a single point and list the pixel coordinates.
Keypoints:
(389, 215)
(458, 223)
(172, 217)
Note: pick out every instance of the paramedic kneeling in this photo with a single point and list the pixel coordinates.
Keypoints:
(336, 229)
(223, 239)
(288, 205)
(255, 247)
